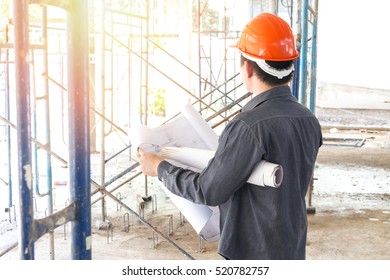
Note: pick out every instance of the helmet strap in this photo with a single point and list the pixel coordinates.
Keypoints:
(279, 73)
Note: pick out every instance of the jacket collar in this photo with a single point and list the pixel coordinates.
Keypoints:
(273, 93)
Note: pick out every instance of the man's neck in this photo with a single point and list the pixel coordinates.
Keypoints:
(262, 87)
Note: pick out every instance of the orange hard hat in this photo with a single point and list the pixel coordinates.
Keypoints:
(268, 37)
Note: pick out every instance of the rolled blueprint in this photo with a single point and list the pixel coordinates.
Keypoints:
(264, 174)
(193, 157)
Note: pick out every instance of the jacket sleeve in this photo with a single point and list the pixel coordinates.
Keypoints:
(236, 156)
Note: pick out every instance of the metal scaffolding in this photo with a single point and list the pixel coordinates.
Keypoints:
(105, 81)
(77, 212)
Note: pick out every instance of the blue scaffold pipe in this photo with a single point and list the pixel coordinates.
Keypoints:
(313, 82)
(8, 129)
(79, 140)
(295, 80)
(303, 54)
(22, 81)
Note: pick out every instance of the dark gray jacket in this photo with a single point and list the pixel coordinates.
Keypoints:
(257, 222)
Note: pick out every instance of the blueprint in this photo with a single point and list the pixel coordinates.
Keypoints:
(189, 142)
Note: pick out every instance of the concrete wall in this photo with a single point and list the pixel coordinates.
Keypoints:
(353, 43)
(353, 61)
(352, 97)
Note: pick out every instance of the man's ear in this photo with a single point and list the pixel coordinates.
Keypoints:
(248, 69)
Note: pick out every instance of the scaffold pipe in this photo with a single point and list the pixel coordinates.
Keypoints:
(313, 82)
(79, 140)
(303, 54)
(22, 80)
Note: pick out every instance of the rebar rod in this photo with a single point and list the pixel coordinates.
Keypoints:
(142, 220)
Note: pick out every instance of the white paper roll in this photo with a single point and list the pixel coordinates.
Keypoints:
(193, 157)
(264, 174)
(267, 174)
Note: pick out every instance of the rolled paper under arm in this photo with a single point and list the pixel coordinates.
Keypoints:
(264, 174)
(267, 174)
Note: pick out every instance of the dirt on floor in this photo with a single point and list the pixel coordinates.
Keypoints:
(351, 197)
(350, 205)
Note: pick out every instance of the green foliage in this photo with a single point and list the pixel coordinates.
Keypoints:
(4, 9)
(156, 104)
(4, 14)
(209, 18)
(34, 17)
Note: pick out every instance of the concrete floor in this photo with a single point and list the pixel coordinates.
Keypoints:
(351, 198)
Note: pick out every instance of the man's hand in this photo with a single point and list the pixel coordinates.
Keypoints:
(148, 162)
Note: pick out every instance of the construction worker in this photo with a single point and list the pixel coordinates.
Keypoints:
(256, 222)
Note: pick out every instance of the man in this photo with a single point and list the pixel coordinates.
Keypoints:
(256, 222)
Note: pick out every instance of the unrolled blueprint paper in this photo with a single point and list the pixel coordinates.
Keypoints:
(209, 137)
(187, 130)
(204, 219)
(177, 132)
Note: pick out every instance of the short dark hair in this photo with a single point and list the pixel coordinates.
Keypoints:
(267, 78)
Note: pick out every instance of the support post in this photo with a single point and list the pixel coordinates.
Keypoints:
(49, 176)
(199, 53)
(8, 127)
(22, 80)
(313, 82)
(273, 7)
(79, 140)
(303, 54)
(103, 106)
(297, 64)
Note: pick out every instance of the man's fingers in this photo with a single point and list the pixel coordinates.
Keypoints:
(148, 162)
